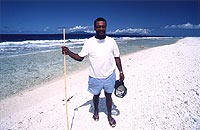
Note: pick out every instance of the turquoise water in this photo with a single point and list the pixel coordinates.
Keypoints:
(21, 72)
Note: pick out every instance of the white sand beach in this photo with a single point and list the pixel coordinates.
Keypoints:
(163, 94)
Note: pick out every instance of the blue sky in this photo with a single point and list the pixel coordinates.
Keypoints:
(170, 18)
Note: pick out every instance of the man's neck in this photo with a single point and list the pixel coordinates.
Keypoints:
(100, 37)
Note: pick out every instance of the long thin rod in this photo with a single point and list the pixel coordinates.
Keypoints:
(65, 80)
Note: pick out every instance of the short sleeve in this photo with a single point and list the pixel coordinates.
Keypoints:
(84, 51)
(116, 49)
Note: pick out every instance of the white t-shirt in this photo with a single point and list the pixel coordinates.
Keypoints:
(102, 55)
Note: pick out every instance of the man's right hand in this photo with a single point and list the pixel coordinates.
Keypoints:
(65, 50)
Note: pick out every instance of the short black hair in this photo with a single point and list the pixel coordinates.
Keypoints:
(100, 19)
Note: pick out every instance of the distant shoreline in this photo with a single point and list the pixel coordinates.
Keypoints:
(23, 37)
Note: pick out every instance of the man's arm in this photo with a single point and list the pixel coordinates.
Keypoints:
(66, 51)
(119, 66)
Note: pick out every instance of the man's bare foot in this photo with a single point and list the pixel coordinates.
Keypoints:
(111, 121)
(96, 116)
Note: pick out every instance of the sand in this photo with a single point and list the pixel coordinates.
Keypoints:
(163, 94)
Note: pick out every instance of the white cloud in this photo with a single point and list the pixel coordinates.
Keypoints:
(90, 29)
(132, 30)
(79, 28)
(184, 26)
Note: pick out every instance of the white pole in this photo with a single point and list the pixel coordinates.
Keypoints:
(65, 80)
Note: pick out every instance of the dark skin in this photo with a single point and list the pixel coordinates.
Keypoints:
(100, 28)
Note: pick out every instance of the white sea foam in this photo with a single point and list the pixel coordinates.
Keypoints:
(37, 44)
(138, 38)
(70, 41)
(31, 46)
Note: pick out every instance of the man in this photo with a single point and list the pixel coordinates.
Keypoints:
(103, 55)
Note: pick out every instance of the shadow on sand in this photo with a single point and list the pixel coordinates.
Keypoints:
(102, 108)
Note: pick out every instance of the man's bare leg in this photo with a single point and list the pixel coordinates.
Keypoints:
(96, 107)
(111, 120)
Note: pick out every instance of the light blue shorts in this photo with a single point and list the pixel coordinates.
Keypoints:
(95, 85)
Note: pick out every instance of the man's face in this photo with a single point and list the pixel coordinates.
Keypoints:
(100, 29)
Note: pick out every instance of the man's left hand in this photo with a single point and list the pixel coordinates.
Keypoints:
(121, 76)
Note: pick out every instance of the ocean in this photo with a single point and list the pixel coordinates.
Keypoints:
(29, 60)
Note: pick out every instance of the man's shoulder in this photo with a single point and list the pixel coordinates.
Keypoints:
(90, 39)
(108, 38)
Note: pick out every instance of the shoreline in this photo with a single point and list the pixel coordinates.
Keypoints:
(26, 71)
(163, 93)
